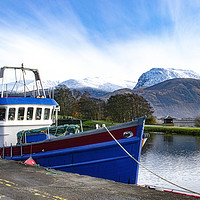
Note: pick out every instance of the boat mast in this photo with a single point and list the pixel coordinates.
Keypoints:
(23, 73)
(2, 76)
(37, 79)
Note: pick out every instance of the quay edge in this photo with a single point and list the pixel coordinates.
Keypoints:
(19, 181)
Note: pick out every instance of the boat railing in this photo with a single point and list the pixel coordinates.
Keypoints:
(49, 93)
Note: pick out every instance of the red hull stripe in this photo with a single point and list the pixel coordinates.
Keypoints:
(82, 140)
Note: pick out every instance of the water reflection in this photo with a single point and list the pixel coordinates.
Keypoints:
(174, 157)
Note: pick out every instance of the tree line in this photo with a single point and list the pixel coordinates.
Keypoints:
(118, 108)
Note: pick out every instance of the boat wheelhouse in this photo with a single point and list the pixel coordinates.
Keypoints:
(23, 112)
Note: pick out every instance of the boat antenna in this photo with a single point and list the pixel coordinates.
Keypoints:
(2, 76)
(23, 73)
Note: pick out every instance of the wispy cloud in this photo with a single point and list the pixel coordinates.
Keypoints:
(69, 39)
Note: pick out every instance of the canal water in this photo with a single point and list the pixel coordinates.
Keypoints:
(174, 157)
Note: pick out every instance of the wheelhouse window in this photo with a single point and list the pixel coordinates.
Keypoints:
(21, 113)
(2, 114)
(46, 113)
(38, 114)
(29, 113)
(11, 114)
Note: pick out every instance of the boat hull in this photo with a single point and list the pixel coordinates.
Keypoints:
(92, 153)
(96, 160)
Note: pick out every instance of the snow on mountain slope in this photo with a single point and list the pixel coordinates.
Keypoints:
(105, 84)
(157, 75)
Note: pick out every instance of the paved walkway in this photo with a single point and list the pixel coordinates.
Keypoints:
(18, 181)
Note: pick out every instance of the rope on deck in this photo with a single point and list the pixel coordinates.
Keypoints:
(147, 168)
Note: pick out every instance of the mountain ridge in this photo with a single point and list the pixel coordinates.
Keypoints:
(158, 75)
(107, 84)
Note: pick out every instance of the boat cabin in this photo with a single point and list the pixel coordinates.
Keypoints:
(24, 112)
(11, 112)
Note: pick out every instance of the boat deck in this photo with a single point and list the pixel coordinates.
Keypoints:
(19, 181)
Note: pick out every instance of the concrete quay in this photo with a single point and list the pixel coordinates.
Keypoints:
(19, 181)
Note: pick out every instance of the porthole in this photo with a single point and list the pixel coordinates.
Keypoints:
(128, 134)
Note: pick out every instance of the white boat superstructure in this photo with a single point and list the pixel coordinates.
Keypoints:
(24, 112)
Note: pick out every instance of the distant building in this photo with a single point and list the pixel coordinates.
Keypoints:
(168, 121)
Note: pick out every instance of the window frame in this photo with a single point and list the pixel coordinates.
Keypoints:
(38, 114)
(19, 116)
(11, 115)
(47, 114)
(29, 117)
(2, 114)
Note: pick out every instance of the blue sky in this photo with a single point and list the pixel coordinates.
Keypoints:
(85, 38)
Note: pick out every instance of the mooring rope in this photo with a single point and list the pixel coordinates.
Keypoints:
(147, 168)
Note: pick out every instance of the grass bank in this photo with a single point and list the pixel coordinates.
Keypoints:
(173, 130)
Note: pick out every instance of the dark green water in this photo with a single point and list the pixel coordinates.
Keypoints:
(174, 157)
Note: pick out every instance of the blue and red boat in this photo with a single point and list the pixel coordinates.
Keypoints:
(92, 153)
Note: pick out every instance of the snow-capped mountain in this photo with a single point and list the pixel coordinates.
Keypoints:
(104, 84)
(158, 75)
(101, 84)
